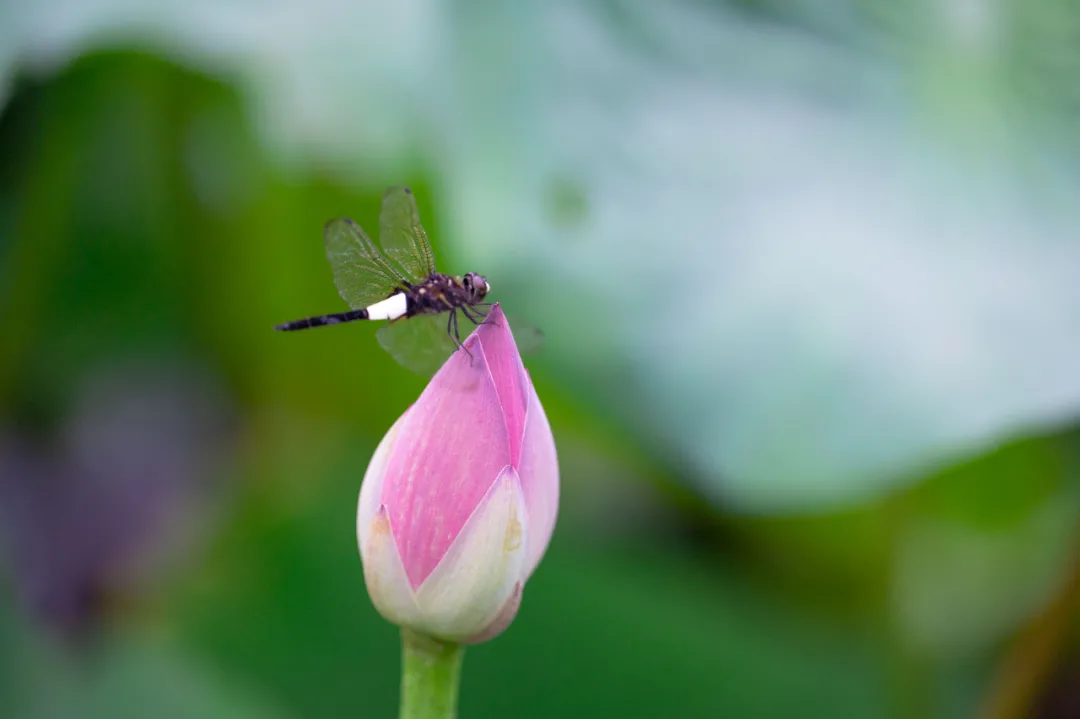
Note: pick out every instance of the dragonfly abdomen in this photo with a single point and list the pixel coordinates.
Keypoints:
(321, 320)
(391, 308)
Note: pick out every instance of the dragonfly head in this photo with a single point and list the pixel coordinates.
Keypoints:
(476, 285)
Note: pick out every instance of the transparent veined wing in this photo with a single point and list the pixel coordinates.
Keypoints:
(529, 339)
(362, 273)
(420, 343)
(402, 236)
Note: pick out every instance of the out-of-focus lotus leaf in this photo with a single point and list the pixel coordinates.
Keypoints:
(985, 547)
(958, 588)
(819, 267)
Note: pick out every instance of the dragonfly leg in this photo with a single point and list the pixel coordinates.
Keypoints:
(455, 335)
(469, 312)
(465, 311)
(451, 330)
(481, 315)
(449, 324)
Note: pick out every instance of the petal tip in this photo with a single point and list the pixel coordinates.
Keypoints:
(376, 531)
(380, 521)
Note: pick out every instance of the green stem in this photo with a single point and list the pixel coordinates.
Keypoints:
(430, 674)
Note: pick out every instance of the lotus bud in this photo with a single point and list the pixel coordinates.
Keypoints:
(459, 502)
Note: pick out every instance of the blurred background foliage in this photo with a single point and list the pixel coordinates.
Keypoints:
(808, 278)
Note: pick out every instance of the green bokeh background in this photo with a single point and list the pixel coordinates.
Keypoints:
(148, 219)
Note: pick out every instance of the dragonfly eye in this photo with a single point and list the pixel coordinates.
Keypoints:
(480, 285)
(476, 285)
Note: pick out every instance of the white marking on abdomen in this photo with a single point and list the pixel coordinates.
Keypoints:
(389, 309)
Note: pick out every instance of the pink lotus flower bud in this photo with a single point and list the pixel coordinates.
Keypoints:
(459, 501)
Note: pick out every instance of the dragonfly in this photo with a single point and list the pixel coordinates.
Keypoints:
(399, 283)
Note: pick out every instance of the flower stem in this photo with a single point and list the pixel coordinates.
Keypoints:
(430, 674)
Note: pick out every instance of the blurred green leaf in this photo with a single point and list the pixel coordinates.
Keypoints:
(984, 546)
(123, 676)
(959, 589)
(1002, 488)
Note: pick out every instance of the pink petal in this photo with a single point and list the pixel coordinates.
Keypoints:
(539, 472)
(467, 593)
(451, 447)
(371, 488)
(507, 372)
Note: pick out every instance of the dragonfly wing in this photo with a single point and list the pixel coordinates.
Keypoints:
(362, 273)
(529, 339)
(402, 236)
(420, 343)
